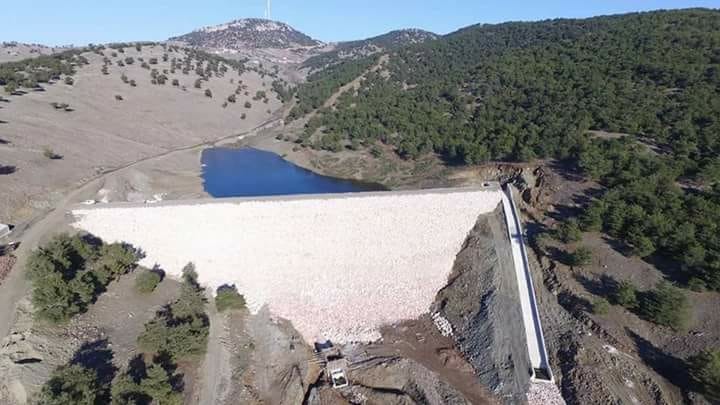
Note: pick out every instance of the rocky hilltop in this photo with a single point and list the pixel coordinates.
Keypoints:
(247, 33)
(364, 47)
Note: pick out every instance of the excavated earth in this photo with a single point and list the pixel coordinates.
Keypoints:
(481, 301)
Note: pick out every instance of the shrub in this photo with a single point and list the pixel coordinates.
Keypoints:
(198, 84)
(145, 65)
(569, 231)
(129, 60)
(11, 88)
(231, 98)
(626, 295)
(228, 298)
(118, 97)
(133, 83)
(243, 116)
(248, 104)
(600, 306)
(208, 93)
(124, 78)
(582, 256)
(665, 305)
(146, 281)
(61, 106)
(69, 80)
(72, 384)
(104, 70)
(697, 285)
(153, 61)
(705, 371)
(176, 82)
(50, 154)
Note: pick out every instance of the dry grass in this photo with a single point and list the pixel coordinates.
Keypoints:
(102, 133)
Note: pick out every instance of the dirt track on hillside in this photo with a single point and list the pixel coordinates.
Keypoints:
(42, 227)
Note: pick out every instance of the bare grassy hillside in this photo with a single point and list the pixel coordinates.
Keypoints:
(108, 123)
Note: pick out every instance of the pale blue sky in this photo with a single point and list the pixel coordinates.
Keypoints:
(82, 21)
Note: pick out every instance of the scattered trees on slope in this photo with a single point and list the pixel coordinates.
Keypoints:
(646, 209)
(69, 272)
(181, 329)
(664, 305)
(29, 73)
(705, 371)
(144, 383)
(72, 384)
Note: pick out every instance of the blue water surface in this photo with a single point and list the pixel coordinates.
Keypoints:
(229, 172)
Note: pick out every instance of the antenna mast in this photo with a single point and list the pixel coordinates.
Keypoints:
(268, 11)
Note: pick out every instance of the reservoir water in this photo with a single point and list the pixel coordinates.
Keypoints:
(229, 172)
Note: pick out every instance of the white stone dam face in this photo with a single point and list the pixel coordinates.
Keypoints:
(337, 267)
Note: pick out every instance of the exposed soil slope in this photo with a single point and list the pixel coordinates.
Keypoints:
(481, 301)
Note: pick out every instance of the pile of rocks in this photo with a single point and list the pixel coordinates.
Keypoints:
(337, 267)
(6, 264)
(544, 393)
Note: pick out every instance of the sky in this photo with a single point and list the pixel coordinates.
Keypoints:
(80, 22)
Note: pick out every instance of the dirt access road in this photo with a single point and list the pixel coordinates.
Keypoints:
(32, 233)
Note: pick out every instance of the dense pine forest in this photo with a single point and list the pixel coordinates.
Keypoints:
(525, 91)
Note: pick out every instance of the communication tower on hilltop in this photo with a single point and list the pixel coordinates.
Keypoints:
(268, 10)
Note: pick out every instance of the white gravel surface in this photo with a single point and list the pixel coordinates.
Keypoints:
(544, 393)
(337, 267)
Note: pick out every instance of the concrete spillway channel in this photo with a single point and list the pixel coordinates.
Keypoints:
(531, 318)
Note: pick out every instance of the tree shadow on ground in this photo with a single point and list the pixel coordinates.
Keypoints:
(573, 304)
(566, 169)
(617, 245)
(137, 369)
(605, 286)
(668, 366)
(97, 356)
(559, 255)
(577, 207)
(168, 364)
(671, 269)
(159, 271)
